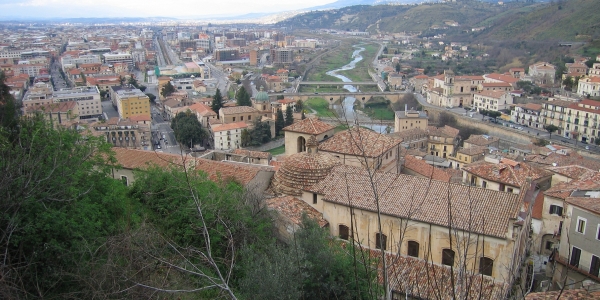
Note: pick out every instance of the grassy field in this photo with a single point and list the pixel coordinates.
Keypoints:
(378, 111)
(332, 60)
(321, 106)
(321, 89)
(361, 73)
(277, 151)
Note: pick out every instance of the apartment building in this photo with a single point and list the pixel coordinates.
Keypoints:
(227, 54)
(528, 114)
(228, 136)
(554, 113)
(132, 102)
(282, 56)
(542, 73)
(39, 94)
(87, 98)
(493, 100)
(583, 121)
(410, 119)
(589, 86)
(132, 133)
(113, 58)
(448, 90)
(442, 141)
(58, 114)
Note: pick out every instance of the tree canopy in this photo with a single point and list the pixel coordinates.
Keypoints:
(289, 116)
(217, 102)
(167, 90)
(188, 130)
(242, 97)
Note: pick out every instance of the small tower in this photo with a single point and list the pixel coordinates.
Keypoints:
(312, 146)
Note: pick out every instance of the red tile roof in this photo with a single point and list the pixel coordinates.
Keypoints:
(249, 153)
(538, 206)
(507, 171)
(586, 203)
(310, 126)
(229, 126)
(293, 208)
(422, 199)
(445, 131)
(578, 294)
(424, 169)
(359, 141)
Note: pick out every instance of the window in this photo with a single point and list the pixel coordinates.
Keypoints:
(314, 198)
(484, 184)
(344, 232)
(595, 265)
(447, 257)
(124, 180)
(501, 187)
(242, 118)
(510, 190)
(575, 255)
(249, 118)
(581, 225)
(549, 245)
(380, 241)
(556, 210)
(413, 249)
(234, 119)
(485, 266)
(598, 232)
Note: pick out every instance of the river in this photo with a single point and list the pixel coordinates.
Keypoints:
(346, 110)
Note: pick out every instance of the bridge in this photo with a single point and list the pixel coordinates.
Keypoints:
(337, 83)
(332, 98)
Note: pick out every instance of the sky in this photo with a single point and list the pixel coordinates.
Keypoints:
(145, 8)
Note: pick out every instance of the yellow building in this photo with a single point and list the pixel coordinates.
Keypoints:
(442, 140)
(132, 102)
(410, 119)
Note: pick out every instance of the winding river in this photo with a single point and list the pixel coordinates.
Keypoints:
(346, 110)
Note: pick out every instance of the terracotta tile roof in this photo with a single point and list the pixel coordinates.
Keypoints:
(137, 118)
(237, 110)
(139, 159)
(202, 109)
(508, 171)
(574, 172)
(229, 126)
(564, 160)
(221, 170)
(481, 140)
(293, 209)
(531, 106)
(562, 190)
(310, 126)
(578, 294)
(249, 153)
(492, 94)
(425, 280)
(53, 107)
(359, 141)
(587, 203)
(422, 199)
(445, 131)
(424, 169)
(538, 207)
(410, 134)
(501, 77)
(495, 84)
(301, 170)
(475, 150)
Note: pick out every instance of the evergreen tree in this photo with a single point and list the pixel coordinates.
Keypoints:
(303, 116)
(188, 130)
(299, 106)
(279, 121)
(8, 107)
(242, 97)
(289, 116)
(217, 102)
(167, 90)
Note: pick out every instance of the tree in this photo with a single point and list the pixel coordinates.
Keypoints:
(289, 116)
(299, 106)
(398, 68)
(483, 113)
(260, 134)
(142, 88)
(493, 114)
(242, 97)
(568, 83)
(551, 128)
(188, 130)
(246, 138)
(133, 82)
(167, 90)
(279, 122)
(217, 102)
(575, 135)
(8, 108)
(151, 96)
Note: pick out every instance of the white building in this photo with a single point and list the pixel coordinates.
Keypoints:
(528, 114)
(589, 86)
(73, 61)
(228, 136)
(492, 100)
(112, 58)
(87, 98)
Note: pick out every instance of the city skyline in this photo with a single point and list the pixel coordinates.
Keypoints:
(48, 9)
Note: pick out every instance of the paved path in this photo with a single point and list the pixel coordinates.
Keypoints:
(268, 146)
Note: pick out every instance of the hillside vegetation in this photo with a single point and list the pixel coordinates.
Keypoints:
(563, 20)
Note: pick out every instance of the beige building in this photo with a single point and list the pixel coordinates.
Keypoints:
(228, 136)
(583, 121)
(542, 73)
(448, 90)
(410, 119)
(125, 133)
(442, 141)
(132, 102)
(555, 113)
(506, 176)
(204, 113)
(589, 86)
(63, 114)
(360, 147)
(492, 100)
(415, 223)
(238, 114)
(299, 132)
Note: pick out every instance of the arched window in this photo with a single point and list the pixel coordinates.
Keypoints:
(413, 249)
(448, 257)
(344, 232)
(380, 241)
(486, 265)
(301, 144)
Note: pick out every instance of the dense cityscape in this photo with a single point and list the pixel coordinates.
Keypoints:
(351, 152)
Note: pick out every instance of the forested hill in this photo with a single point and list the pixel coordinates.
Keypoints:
(562, 20)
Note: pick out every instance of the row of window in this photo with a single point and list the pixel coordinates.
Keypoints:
(485, 264)
(242, 118)
(594, 265)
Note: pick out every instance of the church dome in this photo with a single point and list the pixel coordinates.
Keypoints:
(302, 170)
(261, 96)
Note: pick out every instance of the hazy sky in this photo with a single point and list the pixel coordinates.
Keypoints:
(148, 8)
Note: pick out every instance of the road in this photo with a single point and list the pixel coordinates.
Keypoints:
(59, 83)
(221, 77)
(533, 132)
(162, 134)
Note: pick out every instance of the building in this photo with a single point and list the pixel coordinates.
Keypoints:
(583, 121)
(300, 131)
(204, 113)
(465, 156)
(364, 148)
(492, 100)
(131, 133)
(282, 56)
(226, 54)
(87, 98)
(484, 219)
(578, 261)
(542, 73)
(61, 114)
(113, 58)
(528, 114)
(238, 114)
(228, 136)
(555, 113)
(481, 141)
(589, 86)
(39, 94)
(410, 119)
(448, 90)
(506, 176)
(442, 141)
(132, 102)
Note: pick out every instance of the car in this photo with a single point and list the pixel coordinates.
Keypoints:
(584, 142)
(158, 146)
(587, 147)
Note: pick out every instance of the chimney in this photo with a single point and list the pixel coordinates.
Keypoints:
(405, 109)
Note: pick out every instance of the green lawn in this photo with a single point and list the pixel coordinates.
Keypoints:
(277, 151)
(321, 106)
(379, 113)
(361, 73)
